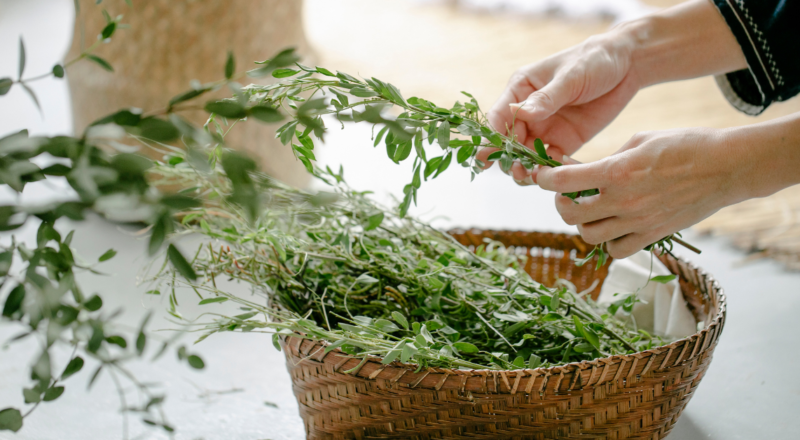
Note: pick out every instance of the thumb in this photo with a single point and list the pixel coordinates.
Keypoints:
(544, 102)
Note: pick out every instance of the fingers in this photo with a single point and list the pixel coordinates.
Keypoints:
(522, 176)
(483, 156)
(571, 178)
(544, 102)
(584, 209)
(628, 245)
(501, 116)
(606, 230)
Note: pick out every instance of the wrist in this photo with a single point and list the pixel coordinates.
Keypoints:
(686, 41)
(767, 156)
(635, 39)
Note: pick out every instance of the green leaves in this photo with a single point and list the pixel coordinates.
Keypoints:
(161, 228)
(402, 152)
(32, 95)
(238, 168)
(374, 221)
(325, 71)
(226, 108)
(42, 368)
(366, 278)
(179, 262)
(443, 136)
(14, 301)
(21, 65)
(93, 304)
(432, 166)
(185, 96)
(400, 319)
(117, 340)
(230, 65)
(385, 325)
(663, 279)
(466, 347)
(196, 362)
(53, 393)
(445, 163)
(588, 334)
(363, 92)
(286, 57)
(158, 130)
(58, 71)
(495, 155)
(218, 299)
(141, 339)
(538, 145)
(10, 420)
(265, 113)
(74, 365)
(32, 395)
(108, 31)
(100, 62)
(5, 85)
(284, 73)
(465, 153)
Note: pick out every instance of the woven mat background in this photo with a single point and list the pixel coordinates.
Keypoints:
(435, 51)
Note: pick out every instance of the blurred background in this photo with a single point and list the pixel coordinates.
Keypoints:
(427, 48)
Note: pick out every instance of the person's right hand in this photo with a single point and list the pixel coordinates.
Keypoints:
(567, 98)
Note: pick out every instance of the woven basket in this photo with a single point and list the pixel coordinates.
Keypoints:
(637, 396)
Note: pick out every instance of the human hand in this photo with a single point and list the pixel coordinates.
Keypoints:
(657, 184)
(567, 98)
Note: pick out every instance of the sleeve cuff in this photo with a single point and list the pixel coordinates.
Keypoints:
(749, 90)
(742, 92)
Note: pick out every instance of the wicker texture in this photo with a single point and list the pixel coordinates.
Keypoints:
(637, 396)
(172, 42)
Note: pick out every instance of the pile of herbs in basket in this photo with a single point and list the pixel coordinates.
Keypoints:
(337, 267)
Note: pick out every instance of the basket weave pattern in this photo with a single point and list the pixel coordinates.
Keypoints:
(637, 396)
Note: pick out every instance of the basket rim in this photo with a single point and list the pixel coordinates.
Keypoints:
(714, 327)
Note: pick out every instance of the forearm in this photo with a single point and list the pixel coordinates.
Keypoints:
(768, 155)
(686, 41)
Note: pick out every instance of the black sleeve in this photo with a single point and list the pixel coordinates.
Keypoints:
(769, 33)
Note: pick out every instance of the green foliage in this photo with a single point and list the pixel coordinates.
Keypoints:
(663, 279)
(10, 420)
(43, 295)
(370, 282)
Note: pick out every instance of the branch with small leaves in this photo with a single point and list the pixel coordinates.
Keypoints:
(311, 93)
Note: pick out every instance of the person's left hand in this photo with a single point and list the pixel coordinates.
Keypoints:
(657, 184)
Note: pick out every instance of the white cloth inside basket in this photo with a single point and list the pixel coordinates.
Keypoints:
(663, 310)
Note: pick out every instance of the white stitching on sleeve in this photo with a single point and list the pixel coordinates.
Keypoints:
(762, 41)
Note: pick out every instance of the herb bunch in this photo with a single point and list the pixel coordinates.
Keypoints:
(460, 131)
(337, 267)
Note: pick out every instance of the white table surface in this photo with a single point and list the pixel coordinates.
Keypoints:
(750, 390)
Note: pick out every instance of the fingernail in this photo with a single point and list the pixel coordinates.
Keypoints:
(524, 106)
(527, 181)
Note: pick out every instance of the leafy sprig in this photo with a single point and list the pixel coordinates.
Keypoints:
(460, 131)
